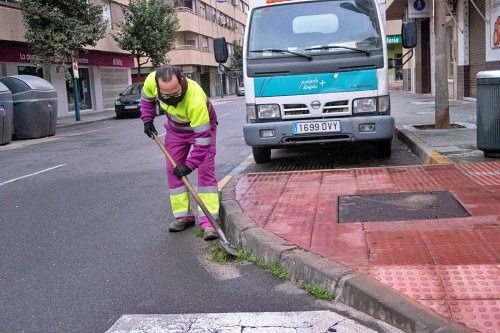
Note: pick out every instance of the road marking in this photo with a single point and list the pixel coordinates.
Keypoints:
(32, 174)
(236, 171)
(26, 143)
(82, 133)
(161, 135)
(222, 116)
(304, 321)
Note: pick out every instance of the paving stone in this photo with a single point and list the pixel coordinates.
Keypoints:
(417, 282)
(462, 254)
(401, 255)
(481, 315)
(473, 282)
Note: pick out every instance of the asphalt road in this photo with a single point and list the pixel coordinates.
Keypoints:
(83, 233)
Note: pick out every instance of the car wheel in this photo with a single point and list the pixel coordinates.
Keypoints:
(384, 148)
(261, 154)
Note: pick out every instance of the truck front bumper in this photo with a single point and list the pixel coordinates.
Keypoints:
(350, 131)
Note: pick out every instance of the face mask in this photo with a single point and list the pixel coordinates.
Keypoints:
(175, 99)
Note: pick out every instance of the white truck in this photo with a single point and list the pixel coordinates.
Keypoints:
(315, 71)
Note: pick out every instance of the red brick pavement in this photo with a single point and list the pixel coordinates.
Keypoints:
(450, 265)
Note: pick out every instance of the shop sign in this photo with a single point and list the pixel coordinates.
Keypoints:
(20, 53)
(419, 8)
(394, 39)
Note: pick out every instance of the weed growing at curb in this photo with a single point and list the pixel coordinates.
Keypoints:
(198, 232)
(219, 255)
(272, 267)
(317, 291)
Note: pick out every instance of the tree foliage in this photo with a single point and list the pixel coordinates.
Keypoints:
(148, 30)
(237, 56)
(59, 29)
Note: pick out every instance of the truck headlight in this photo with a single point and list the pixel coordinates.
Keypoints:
(384, 104)
(364, 105)
(118, 103)
(268, 111)
(251, 114)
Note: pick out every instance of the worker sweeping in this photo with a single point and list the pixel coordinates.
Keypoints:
(191, 126)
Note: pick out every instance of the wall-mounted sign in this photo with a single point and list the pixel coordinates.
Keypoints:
(495, 23)
(419, 8)
(394, 39)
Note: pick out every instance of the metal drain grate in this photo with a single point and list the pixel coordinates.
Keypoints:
(399, 207)
(303, 165)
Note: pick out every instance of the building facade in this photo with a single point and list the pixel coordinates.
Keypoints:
(472, 45)
(200, 22)
(104, 70)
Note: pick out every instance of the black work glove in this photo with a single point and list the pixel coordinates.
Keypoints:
(149, 129)
(181, 170)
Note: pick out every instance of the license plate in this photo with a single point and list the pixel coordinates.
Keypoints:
(130, 107)
(316, 127)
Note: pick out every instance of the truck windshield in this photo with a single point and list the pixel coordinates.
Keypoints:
(314, 27)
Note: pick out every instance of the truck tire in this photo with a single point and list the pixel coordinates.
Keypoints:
(261, 154)
(384, 148)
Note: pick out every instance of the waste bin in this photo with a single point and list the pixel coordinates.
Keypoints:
(35, 106)
(6, 117)
(488, 112)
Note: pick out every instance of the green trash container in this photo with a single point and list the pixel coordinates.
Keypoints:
(35, 106)
(6, 116)
(488, 112)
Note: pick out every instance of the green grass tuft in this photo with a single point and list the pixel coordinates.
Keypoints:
(318, 292)
(272, 267)
(219, 255)
(198, 232)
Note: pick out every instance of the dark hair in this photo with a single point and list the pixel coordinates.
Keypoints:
(166, 72)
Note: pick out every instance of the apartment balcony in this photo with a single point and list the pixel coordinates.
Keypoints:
(192, 22)
(190, 55)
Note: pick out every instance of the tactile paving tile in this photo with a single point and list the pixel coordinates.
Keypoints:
(394, 238)
(491, 235)
(444, 237)
(402, 255)
(418, 282)
(472, 282)
(482, 173)
(482, 315)
(462, 254)
(438, 305)
(413, 179)
(370, 179)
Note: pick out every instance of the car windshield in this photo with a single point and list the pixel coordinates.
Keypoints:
(314, 27)
(134, 89)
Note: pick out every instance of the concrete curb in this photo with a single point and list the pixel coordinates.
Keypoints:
(84, 122)
(425, 153)
(351, 288)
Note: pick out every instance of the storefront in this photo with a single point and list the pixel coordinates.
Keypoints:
(102, 76)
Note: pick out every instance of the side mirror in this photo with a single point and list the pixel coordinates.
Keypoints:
(409, 34)
(120, 94)
(220, 50)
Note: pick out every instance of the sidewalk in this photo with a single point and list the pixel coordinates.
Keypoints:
(92, 117)
(418, 246)
(456, 144)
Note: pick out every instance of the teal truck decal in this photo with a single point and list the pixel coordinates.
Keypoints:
(306, 84)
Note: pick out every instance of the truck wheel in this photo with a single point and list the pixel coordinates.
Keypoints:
(383, 148)
(261, 154)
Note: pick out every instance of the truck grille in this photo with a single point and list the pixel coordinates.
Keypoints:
(337, 106)
(295, 109)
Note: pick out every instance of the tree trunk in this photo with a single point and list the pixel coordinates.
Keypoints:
(442, 106)
(139, 67)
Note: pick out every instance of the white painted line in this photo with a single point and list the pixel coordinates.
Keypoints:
(222, 116)
(32, 174)
(87, 132)
(161, 135)
(236, 171)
